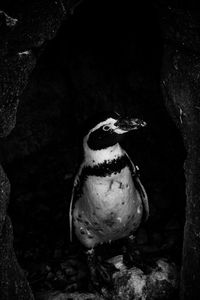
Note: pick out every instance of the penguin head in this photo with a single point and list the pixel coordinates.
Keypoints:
(110, 130)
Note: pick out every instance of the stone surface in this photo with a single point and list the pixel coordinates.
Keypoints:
(32, 25)
(159, 283)
(13, 284)
(36, 22)
(180, 84)
(14, 74)
(69, 296)
(4, 197)
(24, 26)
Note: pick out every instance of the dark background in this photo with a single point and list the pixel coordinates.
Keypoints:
(106, 56)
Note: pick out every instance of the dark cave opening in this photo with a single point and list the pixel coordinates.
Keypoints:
(105, 57)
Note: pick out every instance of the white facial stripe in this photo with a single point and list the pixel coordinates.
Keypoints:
(110, 122)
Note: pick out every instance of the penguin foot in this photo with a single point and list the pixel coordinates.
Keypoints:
(101, 272)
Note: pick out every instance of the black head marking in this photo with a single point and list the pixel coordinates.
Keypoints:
(101, 139)
(108, 129)
(104, 136)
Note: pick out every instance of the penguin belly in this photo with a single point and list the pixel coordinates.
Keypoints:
(109, 208)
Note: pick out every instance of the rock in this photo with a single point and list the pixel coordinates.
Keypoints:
(157, 281)
(160, 283)
(180, 86)
(70, 296)
(4, 195)
(37, 22)
(22, 28)
(130, 284)
(13, 284)
(14, 74)
(6, 20)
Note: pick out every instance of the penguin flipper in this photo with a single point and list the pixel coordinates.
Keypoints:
(71, 212)
(76, 188)
(144, 197)
(139, 186)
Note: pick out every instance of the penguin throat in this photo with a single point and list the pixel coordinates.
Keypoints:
(96, 157)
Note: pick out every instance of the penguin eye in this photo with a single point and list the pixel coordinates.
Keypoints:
(106, 127)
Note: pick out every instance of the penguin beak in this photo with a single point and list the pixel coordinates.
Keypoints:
(128, 124)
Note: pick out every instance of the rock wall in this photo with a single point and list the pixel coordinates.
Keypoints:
(24, 29)
(181, 90)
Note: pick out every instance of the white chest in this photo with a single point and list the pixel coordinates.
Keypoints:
(110, 192)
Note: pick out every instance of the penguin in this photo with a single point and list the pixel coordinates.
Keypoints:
(108, 200)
